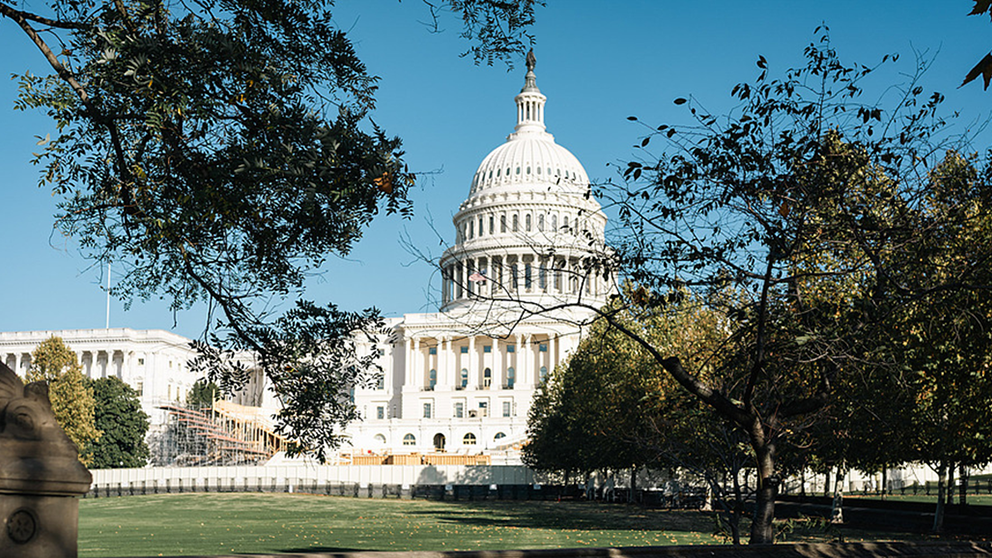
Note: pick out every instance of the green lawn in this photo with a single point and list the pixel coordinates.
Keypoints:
(185, 524)
(975, 499)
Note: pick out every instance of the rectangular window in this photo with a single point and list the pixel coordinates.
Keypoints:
(511, 348)
(380, 412)
(502, 223)
(483, 408)
(490, 224)
(464, 350)
(141, 362)
(506, 408)
(427, 410)
(140, 388)
(459, 410)
(432, 350)
(543, 347)
(527, 278)
(487, 349)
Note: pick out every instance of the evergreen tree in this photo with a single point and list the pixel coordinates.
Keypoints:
(123, 423)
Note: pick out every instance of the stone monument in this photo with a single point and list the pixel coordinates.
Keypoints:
(41, 478)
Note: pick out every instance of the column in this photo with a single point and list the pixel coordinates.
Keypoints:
(474, 376)
(444, 364)
(499, 375)
(408, 365)
(528, 362)
(417, 364)
(552, 354)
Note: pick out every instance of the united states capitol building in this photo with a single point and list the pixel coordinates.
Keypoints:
(518, 283)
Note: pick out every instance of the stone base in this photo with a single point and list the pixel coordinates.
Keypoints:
(38, 526)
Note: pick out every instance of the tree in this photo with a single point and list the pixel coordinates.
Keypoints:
(202, 394)
(221, 152)
(124, 425)
(72, 401)
(984, 66)
(803, 201)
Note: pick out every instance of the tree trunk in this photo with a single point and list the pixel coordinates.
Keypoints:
(950, 485)
(826, 483)
(802, 485)
(885, 481)
(762, 529)
(938, 515)
(837, 509)
(963, 490)
(633, 484)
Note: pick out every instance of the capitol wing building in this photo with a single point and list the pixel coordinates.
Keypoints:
(521, 279)
(517, 286)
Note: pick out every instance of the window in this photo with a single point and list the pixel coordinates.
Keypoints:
(380, 412)
(380, 381)
(499, 436)
(469, 439)
(141, 362)
(511, 348)
(432, 350)
(540, 222)
(542, 278)
(527, 222)
(380, 439)
(459, 410)
(409, 440)
(527, 276)
(480, 226)
(490, 224)
(513, 277)
(487, 377)
(544, 373)
(487, 349)
(543, 347)
(511, 377)
(464, 378)
(554, 222)
(140, 388)
(502, 223)
(427, 410)
(483, 408)
(506, 408)
(516, 222)
(432, 378)
(471, 229)
(566, 221)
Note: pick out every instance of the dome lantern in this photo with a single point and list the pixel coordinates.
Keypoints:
(530, 101)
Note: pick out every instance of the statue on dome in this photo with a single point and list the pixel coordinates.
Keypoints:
(531, 60)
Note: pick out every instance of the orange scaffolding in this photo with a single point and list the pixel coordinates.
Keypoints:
(223, 434)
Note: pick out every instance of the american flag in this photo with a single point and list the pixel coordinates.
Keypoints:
(476, 277)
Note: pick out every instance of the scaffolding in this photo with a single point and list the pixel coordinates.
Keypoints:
(224, 434)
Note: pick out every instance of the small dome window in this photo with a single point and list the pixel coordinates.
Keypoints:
(507, 171)
(491, 174)
(528, 170)
(538, 170)
(549, 170)
(518, 170)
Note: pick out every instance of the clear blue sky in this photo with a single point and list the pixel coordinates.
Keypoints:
(598, 62)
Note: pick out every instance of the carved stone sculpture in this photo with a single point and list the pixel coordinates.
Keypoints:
(41, 477)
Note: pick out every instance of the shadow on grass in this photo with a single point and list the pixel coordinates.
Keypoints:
(580, 516)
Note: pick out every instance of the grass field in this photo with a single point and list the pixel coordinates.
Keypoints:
(190, 524)
(973, 499)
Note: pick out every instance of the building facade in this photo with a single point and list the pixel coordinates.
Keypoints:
(521, 279)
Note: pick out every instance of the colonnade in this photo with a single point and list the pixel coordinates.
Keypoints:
(522, 273)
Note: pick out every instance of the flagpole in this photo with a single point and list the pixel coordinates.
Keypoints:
(108, 295)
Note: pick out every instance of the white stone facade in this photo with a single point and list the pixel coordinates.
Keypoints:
(153, 362)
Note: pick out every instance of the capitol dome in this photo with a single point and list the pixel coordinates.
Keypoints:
(529, 229)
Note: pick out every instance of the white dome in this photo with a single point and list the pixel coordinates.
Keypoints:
(530, 159)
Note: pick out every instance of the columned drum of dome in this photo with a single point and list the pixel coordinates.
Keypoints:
(529, 230)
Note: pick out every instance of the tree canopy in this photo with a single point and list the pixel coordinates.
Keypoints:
(809, 204)
(221, 152)
(72, 400)
(124, 425)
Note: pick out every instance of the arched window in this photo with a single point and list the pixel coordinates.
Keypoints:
(499, 436)
(542, 278)
(544, 373)
(487, 377)
(511, 377)
(527, 222)
(409, 440)
(380, 439)
(516, 222)
(480, 226)
(554, 222)
(469, 439)
(490, 224)
(502, 222)
(566, 222)
(471, 229)
(527, 276)
(464, 378)
(540, 222)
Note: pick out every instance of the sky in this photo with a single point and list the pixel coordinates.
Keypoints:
(597, 62)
